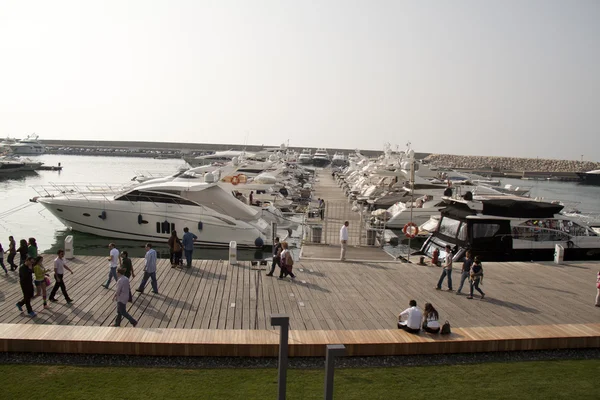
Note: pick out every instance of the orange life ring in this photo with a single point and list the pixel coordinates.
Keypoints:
(235, 180)
(414, 230)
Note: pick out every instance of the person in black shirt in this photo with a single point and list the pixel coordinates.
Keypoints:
(466, 270)
(22, 250)
(26, 282)
(476, 278)
(276, 256)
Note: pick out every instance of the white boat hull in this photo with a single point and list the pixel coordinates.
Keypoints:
(146, 222)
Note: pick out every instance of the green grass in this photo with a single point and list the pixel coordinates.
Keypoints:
(571, 379)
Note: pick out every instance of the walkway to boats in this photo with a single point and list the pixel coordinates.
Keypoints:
(338, 209)
(325, 296)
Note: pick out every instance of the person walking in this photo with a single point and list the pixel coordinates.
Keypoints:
(122, 297)
(59, 272)
(188, 245)
(127, 265)
(476, 278)
(149, 270)
(344, 240)
(447, 271)
(113, 260)
(175, 248)
(2, 259)
(431, 319)
(287, 262)
(466, 270)
(25, 271)
(322, 208)
(276, 256)
(32, 249)
(39, 273)
(22, 250)
(12, 252)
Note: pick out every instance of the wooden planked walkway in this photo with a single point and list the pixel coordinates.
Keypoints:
(325, 296)
(263, 343)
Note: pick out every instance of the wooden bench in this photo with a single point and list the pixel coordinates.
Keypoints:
(264, 343)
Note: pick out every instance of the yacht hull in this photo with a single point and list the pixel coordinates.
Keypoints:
(589, 179)
(152, 222)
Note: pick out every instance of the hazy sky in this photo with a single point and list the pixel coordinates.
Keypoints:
(506, 77)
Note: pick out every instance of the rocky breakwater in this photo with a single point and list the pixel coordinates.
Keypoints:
(510, 163)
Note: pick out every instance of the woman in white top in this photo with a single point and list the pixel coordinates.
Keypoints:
(287, 262)
(431, 318)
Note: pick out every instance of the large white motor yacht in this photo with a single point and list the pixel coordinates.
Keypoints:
(222, 157)
(152, 210)
(29, 145)
(305, 157)
(321, 158)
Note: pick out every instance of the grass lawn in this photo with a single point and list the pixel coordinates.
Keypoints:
(570, 379)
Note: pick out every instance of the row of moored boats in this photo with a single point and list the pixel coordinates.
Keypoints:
(468, 212)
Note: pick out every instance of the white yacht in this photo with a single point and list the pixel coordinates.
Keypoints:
(305, 157)
(152, 210)
(217, 157)
(339, 160)
(8, 166)
(321, 158)
(30, 145)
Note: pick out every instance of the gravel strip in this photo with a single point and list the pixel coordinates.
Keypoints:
(98, 360)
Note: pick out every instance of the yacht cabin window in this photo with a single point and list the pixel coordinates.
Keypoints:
(154, 197)
(485, 230)
(449, 227)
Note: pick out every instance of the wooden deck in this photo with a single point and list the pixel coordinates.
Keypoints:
(263, 343)
(325, 296)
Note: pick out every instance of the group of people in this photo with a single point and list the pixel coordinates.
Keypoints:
(471, 269)
(413, 319)
(183, 246)
(27, 248)
(34, 266)
(282, 257)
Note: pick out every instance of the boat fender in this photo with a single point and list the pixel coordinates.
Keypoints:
(102, 215)
(199, 225)
(394, 241)
(435, 256)
(140, 219)
(259, 242)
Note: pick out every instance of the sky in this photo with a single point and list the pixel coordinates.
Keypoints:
(476, 77)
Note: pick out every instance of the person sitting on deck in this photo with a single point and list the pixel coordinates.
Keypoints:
(410, 319)
(431, 319)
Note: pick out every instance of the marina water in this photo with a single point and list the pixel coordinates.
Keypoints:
(23, 219)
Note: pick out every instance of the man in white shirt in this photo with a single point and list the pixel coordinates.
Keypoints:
(447, 270)
(410, 319)
(344, 240)
(59, 271)
(114, 261)
(149, 270)
(122, 296)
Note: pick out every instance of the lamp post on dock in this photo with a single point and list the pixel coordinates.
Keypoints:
(412, 195)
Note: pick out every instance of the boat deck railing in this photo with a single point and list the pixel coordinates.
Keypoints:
(79, 190)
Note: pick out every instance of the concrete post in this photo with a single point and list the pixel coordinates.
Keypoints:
(333, 351)
(283, 321)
